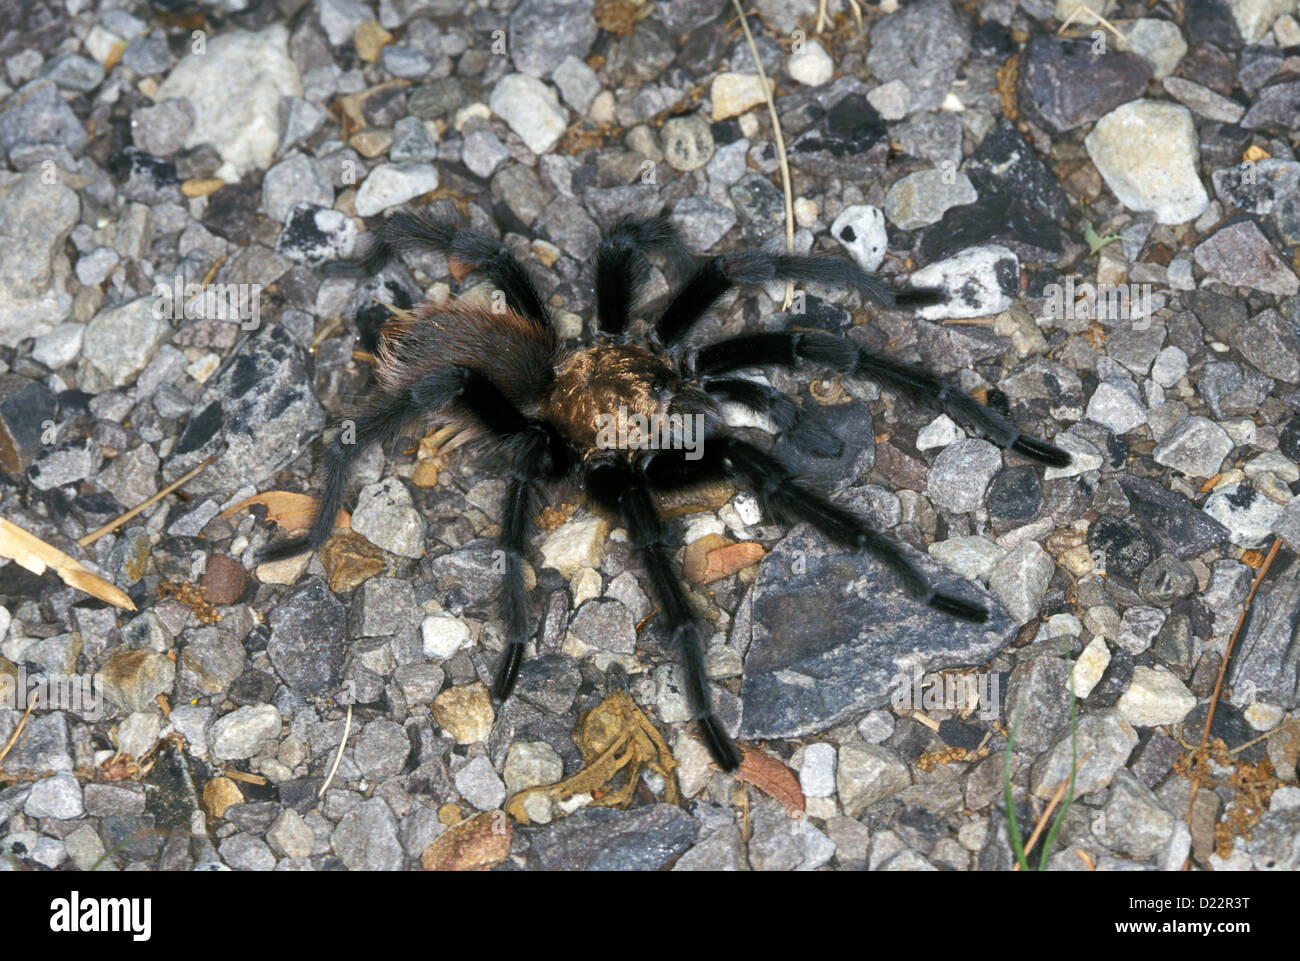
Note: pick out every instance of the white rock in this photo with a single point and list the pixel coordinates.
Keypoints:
(531, 109)
(1084, 456)
(982, 280)
(236, 86)
(861, 230)
(395, 183)
(817, 776)
(734, 93)
(138, 733)
(1154, 697)
(1116, 404)
(578, 83)
(940, 432)
(1248, 515)
(60, 346)
(812, 66)
(1147, 152)
(575, 544)
(240, 733)
(1255, 17)
(892, 100)
(443, 636)
(1090, 666)
(1159, 42)
(387, 517)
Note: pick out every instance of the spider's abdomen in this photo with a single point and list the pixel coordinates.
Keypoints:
(517, 353)
(614, 386)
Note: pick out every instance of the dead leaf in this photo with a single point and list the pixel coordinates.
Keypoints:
(773, 778)
(616, 740)
(290, 511)
(34, 554)
(478, 844)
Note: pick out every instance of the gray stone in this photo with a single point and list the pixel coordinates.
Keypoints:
(242, 732)
(1133, 822)
(607, 839)
(366, 838)
(307, 638)
(961, 475)
(1195, 447)
(254, 414)
(531, 109)
(1240, 255)
(295, 180)
(1020, 580)
(605, 624)
(544, 32)
(1107, 740)
(161, 129)
(35, 220)
(920, 199)
(868, 634)
(867, 773)
(58, 797)
(923, 45)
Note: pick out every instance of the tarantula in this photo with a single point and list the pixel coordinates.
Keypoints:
(552, 410)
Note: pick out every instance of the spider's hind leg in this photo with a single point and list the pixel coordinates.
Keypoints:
(409, 230)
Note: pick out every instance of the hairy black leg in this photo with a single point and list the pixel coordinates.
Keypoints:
(787, 348)
(622, 265)
(787, 501)
(628, 492)
(472, 392)
(804, 432)
(719, 274)
(532, 460)
(379, 424)
(409, 230)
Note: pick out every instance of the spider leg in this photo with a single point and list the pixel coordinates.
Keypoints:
(532, 460)
(622, 265)
(787, 501)
(381, 423)
(437, 389)
(411, 230)
(804, 432)
(719, 274)
(787, 348)
(628, 492)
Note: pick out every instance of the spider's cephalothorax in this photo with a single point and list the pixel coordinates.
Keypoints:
(632, 417)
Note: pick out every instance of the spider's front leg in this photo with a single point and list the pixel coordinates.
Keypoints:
(787, 501)
(625, 490)
(788, 347)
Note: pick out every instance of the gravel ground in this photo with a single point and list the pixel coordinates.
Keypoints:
(1119, 219)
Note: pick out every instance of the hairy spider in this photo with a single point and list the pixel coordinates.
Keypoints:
(552, 410)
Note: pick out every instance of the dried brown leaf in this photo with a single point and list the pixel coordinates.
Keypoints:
(773, 778)
(290, 511)
(478, 844)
